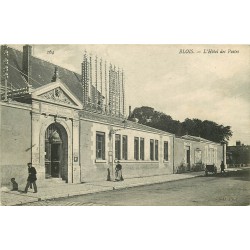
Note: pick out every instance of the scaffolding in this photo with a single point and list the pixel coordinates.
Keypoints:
(103, 89)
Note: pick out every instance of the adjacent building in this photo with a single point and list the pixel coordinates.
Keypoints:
(238, 155)
(193, 153)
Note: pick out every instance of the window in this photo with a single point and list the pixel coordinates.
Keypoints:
(156, 150)
(136, 148)
(197, 156)
(211, 156)
(141, 148)
(124, 147)
(100, 145)
(118, 147)
(151, 149)
(165, 151)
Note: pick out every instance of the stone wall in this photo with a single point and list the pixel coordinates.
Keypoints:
(15, 143)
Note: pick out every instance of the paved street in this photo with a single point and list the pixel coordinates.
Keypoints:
(232, 189)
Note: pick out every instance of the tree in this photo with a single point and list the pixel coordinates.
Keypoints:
(206, 129)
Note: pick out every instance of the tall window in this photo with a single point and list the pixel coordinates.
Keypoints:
(156, 150)
(197, 156)
(151, 149)
(136, 148)
(118, 147)
(165, 150)
(211, 155)
(124, 147)
(141, 148)
(100, 145)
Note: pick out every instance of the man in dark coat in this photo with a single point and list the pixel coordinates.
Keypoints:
(222, 167)
(31, 178)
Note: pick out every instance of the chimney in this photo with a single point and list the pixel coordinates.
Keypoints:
(55, 77)
(130, 112)
(238, 143)
(27, 53)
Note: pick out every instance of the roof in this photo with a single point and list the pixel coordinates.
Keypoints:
(41, 74)
(195, 138)
(119, 122)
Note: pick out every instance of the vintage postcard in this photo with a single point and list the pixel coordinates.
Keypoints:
(85, 124)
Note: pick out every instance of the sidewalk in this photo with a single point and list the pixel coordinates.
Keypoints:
(60, 190)
(11, 198)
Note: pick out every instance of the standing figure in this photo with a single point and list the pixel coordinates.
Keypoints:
(31, 178)
(222, 167)
(118, 172)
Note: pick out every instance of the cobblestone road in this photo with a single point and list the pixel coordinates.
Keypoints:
(233, 189)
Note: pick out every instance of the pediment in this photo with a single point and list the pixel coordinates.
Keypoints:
(56, 93)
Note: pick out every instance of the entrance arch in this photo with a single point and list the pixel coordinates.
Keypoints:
(56, 152)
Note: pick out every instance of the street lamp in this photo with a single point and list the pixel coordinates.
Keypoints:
(111, 133)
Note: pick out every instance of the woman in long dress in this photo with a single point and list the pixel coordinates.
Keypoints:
(118, 172)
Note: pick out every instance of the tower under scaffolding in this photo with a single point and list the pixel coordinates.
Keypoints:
(8, 89)
(103, 83)
(107, 98)
(4, 72)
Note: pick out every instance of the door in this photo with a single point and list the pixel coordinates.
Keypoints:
(188, 157)
(47, 159)
(53, 152)
(55, 160)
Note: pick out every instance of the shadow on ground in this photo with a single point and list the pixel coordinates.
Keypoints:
(243, 175)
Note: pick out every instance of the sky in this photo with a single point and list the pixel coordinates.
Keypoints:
(195, 84)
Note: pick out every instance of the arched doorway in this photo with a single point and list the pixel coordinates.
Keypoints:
(56, 152)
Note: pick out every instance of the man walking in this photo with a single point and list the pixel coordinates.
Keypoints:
(222, 167)
(31, 178)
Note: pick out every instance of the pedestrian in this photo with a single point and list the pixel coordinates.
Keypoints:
(222, 167)
(118, 172)
(31, 178)
(14, 184)
(30, 183)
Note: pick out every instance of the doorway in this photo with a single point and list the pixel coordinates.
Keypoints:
(188, 157)
(56, 152)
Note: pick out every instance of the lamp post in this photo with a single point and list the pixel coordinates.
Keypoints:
(111, 134)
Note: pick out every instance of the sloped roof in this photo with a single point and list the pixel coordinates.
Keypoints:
(116, 121)
(196, 138)
(41, 73)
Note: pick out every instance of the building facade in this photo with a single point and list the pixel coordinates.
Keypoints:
(73, 127)
(238, 155)
(193, 153)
